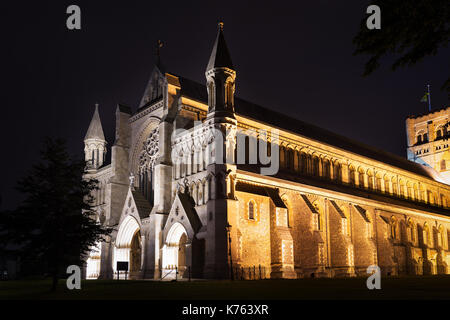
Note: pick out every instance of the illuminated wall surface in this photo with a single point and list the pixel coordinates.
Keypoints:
(332, 208)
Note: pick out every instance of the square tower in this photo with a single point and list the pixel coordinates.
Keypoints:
(428, 140)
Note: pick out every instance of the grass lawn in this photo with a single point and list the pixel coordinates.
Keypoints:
(427, 287)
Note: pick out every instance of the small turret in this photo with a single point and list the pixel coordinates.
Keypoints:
(220, 78)
(95, 143)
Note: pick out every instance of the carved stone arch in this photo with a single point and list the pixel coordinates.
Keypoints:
(146, 128)
(290, 146)
(192, 185)
(312, 198)
(421, 131)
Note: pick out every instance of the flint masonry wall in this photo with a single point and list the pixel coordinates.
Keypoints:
(325, 252)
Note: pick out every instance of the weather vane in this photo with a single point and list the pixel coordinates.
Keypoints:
(159, 45)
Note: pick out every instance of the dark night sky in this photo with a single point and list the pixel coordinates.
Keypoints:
(293, 57)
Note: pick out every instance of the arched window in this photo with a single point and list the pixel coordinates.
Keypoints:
(370, 180)
(419, 139)
(425, 137)
(351, 176)
(394, 186)
(361, 181)
(309, 164)
(378, 182)
(297, 161)
(316, 166)
(282, 157)
(426, 235)
(440, 235)
(411, 232)
(416, 192)
(326, 169)
(430, 197)
(409, 191)
(439, 133)
(443, 165)
(290, 159)
(303, 163)
(402, 189)
(337, 171)
(443, 201)
(211, 93)
(387, 188)
(251, 210)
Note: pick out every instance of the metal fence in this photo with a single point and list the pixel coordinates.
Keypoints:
(251, 273)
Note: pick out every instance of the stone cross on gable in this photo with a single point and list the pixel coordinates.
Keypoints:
(132, 177)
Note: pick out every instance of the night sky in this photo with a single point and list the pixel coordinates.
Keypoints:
(294, 57)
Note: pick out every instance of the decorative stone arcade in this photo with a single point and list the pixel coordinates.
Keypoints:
(128, 247)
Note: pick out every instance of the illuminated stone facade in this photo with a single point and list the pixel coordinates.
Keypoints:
(333, 208)
(428, 143)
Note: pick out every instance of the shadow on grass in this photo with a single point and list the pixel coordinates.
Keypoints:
(425, 287)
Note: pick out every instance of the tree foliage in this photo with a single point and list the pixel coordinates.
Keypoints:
(410, 30)
(56, 223)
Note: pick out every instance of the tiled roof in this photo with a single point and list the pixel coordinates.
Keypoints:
(142, 205)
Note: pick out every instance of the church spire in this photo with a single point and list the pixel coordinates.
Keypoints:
(220, 56)
(95, 143)
(95, 130)
(220, 79)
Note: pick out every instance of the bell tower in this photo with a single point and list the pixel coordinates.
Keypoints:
(95, 143)
(428, 141)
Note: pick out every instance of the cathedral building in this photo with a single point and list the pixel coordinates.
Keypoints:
(203, 184)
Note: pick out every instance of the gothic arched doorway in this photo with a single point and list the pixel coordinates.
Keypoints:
(128, 247)
(175, 252)
(135, 253)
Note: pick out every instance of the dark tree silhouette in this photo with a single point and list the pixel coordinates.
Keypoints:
(410, 30)
(56, 223)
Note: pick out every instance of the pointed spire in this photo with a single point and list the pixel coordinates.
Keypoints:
(220, 56)
(95, 130)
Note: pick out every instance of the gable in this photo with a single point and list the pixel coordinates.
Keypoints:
(183, 212)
